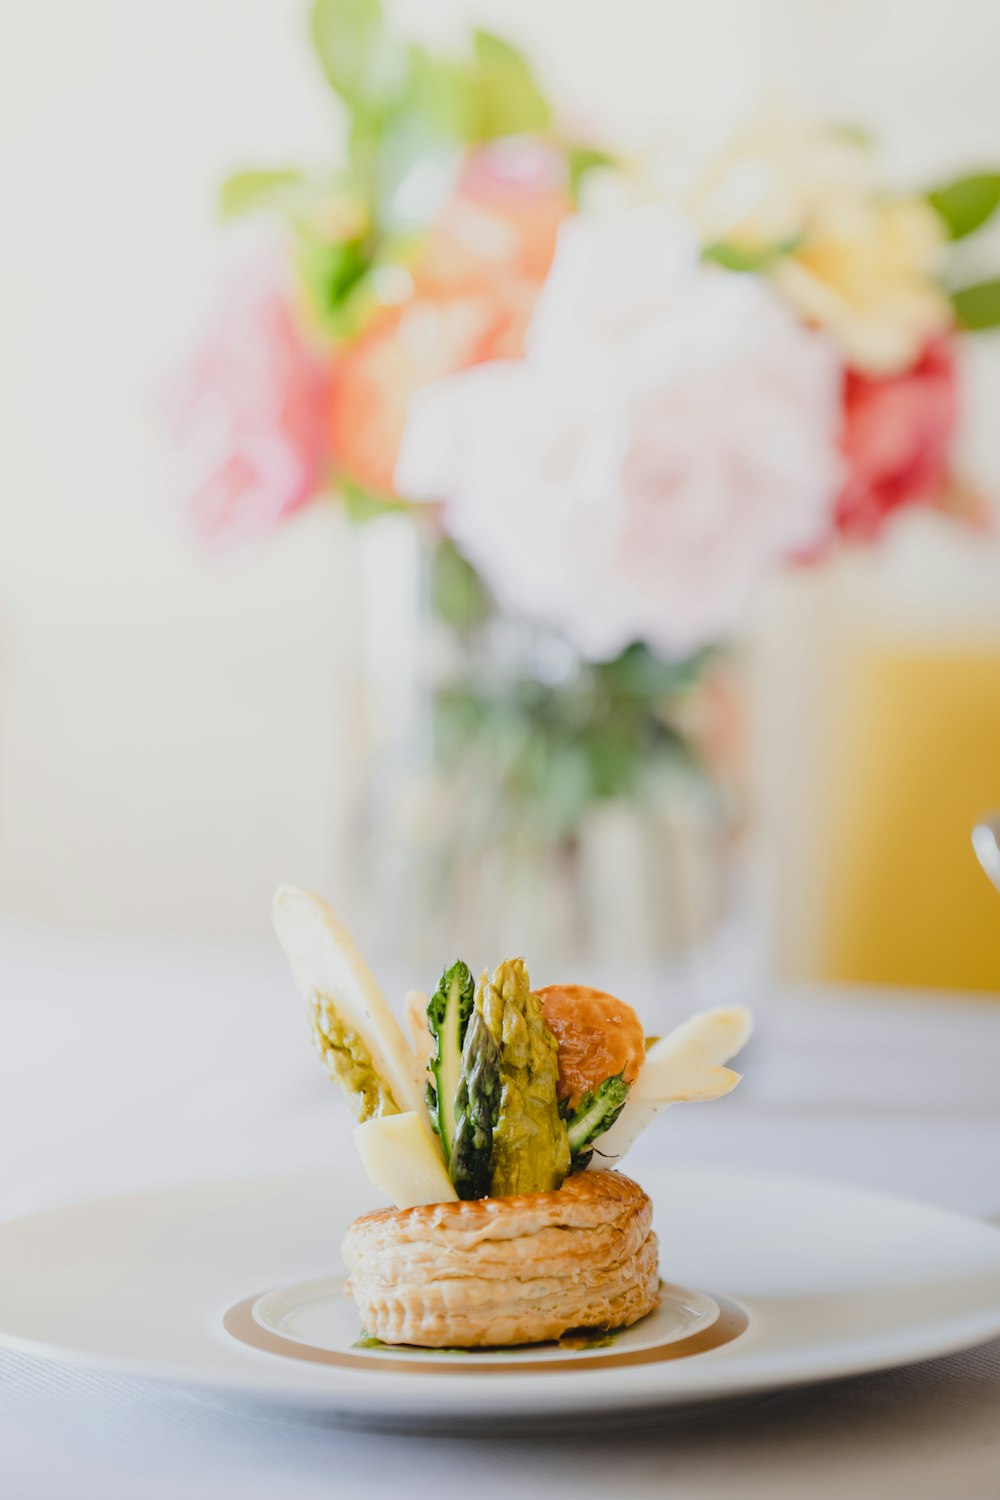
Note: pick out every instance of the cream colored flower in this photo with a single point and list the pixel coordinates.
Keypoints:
(774, 178)
(806, 200)
(865, 272)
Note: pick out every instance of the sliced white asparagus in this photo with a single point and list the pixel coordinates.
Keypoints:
(672, 1082)
(402, 1160)
(415, 1013)
(325, 961)
(684, 1067)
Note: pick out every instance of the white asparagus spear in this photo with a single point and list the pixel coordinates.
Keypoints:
(415, 1015)
(325, 961)
(402, 1160)
(684, 1067)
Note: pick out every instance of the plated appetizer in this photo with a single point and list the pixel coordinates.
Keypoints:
(495, 1130)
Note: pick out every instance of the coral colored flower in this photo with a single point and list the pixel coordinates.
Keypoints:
(403, 350)
(671, 432)
(502, 221)
(897, 436)
(475, 285)
(248, 415)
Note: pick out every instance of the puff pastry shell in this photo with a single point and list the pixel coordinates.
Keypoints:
(506, 1270)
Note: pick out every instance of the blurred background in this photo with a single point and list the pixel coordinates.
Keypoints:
(185, 722)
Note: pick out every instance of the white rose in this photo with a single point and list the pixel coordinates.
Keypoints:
(671, 432)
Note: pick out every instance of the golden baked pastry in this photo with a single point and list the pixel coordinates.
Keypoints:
(598, 1036)
(499, 1271)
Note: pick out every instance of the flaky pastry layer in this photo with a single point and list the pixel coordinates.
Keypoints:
(506, 1270)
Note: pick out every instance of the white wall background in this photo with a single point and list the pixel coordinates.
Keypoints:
(176, 732)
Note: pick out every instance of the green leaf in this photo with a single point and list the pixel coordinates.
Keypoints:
(612, 751)
(441, 96)
(362, 63)
(564, 788)
(364, 150)
(414, 171)
(345, 34)
(384, 152)
(509, 99)
(334, 277)
(977, 307)
(582, 159)
(852, 133)
(747, 257)
(346, 264)
(363, 506)
(639, 674)
(967, 203)
(460, 597)
(244, 192)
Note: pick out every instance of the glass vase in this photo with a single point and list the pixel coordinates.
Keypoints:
(520, 800)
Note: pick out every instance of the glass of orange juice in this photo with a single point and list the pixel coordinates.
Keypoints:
(880, 750)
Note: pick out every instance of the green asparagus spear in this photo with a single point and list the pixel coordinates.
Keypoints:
(596, 1112)
(448, 1012)
(530, 1145)
(477, 1105)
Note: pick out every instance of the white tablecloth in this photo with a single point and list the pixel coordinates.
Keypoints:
(130, 1065)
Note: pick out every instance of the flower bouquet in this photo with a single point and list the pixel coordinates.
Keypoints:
(610, 410)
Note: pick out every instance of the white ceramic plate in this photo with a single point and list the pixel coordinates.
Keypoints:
(235, 1290)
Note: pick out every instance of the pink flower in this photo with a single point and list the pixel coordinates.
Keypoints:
(898, 432)
(248, 415)
(671, 432)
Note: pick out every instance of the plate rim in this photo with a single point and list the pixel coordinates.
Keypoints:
(410, 1399)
